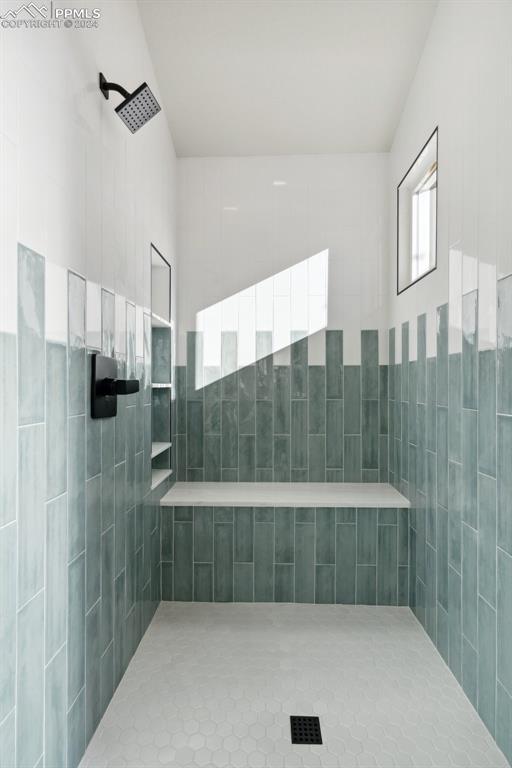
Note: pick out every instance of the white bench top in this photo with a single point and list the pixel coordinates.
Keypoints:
(283, 495)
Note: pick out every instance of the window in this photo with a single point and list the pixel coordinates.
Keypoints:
(417, 217)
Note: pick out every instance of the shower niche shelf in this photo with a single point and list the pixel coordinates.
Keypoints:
(161, 373)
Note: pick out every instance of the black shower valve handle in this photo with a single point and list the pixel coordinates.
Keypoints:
(109, 387)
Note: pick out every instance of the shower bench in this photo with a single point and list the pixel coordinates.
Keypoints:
(353, 495)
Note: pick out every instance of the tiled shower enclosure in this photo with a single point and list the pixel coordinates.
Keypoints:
(79, 527)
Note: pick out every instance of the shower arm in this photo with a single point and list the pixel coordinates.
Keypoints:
(105, 87)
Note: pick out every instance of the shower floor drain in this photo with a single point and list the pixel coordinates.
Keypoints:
(305, 729)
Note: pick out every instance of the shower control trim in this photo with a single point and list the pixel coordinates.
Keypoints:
(105, 387)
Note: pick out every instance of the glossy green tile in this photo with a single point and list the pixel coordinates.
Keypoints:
(304, 563)
(160, 355)
(442, 632)
(404, 368)
(370, 364)
(324, 584)
(430, 593)
(283, 583)
(503, 720)
(422, 358)
(194, 365)
(296, 475)
(442, 556)
(76, 730)
(421, 415)
(76, 626)
(325, 535)
(387, 560)
(504, 478)
(120, 517)
(299, 367)
(281, 400)
(244, 583)
(183, 556)
(55, 721)
(244, 532)
(229, 364)
(487, 412)
(229, 475)
(212, 414)
(431, 498)
(30, 682)
(281, 458)
(486, 664)
(442, 355)
(469, 467)
(470, 584)
(366, 536)
(383, 459)
(305, 515)
(316, 449)
(181, 397)
(413, 403)
(455, 623)
(195, 441)
(8, 740)
(224, 514)
(247, 458)
(247, 400)
(56, 419)
(442, 456)
(264, 514)
(223, 566)
(455, 406)
(8, 428)
(284, 535)
(504, 615)
(264, 366)
(346, 515)
(387, 516)
(316, 400)
(334, 434)
(31, 335)
(299, 432)
(334, 364)
(504, 352)
(167, 581)
(352, 399)
(229, 434)
(264, 434)
(93, 671)
(263, 562)
(93, 540)
(352, 458)
(370, 434)
(203, 582)
(487, 538)
(203, 534)
(403, 585)
(107, 588)
(31, 498)
(212, 458)
(470, 350)
(469, 671)
(366, 584)
(454, 514)
(404, 448)
(431, 410)
(8, 536)
(345, 563)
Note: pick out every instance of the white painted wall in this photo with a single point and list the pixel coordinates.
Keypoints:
(463, 85)
(235, 228)
(75, 185)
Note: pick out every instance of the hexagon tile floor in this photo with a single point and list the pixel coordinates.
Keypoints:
(215, 684)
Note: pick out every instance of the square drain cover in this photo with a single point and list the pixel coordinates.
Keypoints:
(305, 729)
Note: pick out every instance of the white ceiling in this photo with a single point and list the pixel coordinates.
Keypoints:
(269, 77)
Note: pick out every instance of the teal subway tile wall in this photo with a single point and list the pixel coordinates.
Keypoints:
(79, 525)
(284, 423)
(450, 450)
(285, 554)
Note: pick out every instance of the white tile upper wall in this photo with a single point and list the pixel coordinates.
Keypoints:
(79, 188)
(236, 228)
(463, 85)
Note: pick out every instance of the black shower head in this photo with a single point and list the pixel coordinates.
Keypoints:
(137, 108)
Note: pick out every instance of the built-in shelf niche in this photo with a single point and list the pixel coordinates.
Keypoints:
(161, 369)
